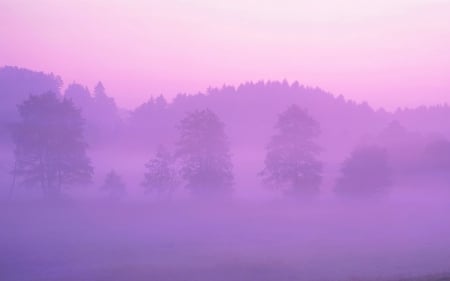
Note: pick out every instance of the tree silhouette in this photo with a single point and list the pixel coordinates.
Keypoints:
(104, 103)
(160, 177)
(107, 114)
(291, 163)
(49, 147)
(204, 153)
(114, 185)
(365, 173)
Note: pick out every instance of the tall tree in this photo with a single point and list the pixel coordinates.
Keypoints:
(49, 146)
(291, 163)
(203, 149)
(102, 99)
(160, 176)
(106, 112)
(365, 174)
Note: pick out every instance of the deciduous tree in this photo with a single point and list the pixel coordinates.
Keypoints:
(291, 163)
(50, 150)
(203, 149)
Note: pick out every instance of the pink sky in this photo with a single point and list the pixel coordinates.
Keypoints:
(389, 53)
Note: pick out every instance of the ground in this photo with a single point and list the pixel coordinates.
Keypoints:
(46, 241)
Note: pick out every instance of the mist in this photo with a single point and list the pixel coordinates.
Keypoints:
(266, 180)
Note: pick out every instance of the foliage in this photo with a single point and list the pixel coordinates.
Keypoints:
(160, 176)
(203, 149)
(49, 147)
(291, 162)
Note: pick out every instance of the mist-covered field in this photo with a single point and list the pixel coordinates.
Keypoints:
(266, 180)
(235, 140)
(406, 239)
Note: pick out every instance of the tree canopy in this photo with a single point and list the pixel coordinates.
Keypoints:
(203, 149)
(160, 176)
(49, 146)
(291, 162)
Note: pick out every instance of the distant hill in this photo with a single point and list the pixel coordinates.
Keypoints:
(248, 110)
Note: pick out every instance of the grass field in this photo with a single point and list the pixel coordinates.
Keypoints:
(111, 242)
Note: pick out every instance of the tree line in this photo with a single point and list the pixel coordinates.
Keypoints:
(51, 152)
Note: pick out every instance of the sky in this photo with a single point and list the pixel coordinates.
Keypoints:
(389, 52)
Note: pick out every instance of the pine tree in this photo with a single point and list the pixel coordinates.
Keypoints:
(107, 114)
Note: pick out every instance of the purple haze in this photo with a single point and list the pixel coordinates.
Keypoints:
(263, 181)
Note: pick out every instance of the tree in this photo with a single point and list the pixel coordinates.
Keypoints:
(291, 163)
(365, 173)
(104, 102)
(114, 185)
(106, 114)
(160, 177)
(204, 153)
(49, 147)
